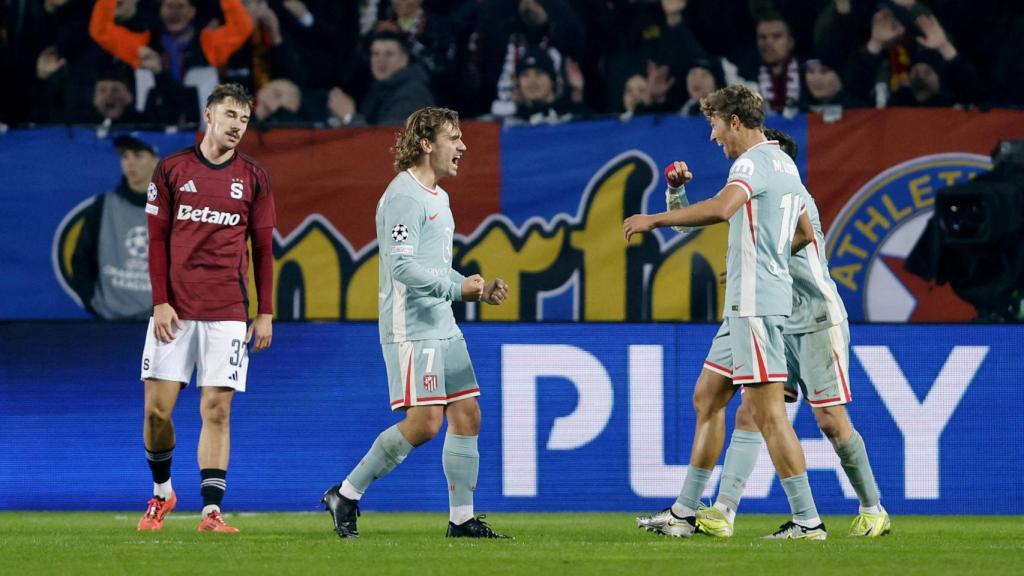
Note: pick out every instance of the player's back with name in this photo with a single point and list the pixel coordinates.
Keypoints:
(211, 209)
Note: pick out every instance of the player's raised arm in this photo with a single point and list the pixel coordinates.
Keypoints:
(711, 211)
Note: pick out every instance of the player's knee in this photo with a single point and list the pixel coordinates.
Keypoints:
(431, 427)
(157, 415)
(745, 417)
(831, 423)
(216, 413)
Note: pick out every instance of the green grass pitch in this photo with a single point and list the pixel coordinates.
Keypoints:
(592, 544)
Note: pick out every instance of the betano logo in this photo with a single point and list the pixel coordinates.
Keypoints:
(186, 212)
(876, 231)
(572, 267)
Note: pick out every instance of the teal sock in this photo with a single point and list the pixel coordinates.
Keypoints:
(387, 452)
(798, 491)
(461, 462)
(854, 457)
(740, 459)
(693, 487)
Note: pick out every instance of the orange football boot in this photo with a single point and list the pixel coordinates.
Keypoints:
(214, 522)
(156, 511)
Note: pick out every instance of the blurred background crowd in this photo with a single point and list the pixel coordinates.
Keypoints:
(357, 62)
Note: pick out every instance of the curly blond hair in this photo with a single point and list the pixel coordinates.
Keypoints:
(424, 123)
(746, 104)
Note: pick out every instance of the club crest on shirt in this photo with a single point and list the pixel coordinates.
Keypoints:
(875, 231)
(430, 382)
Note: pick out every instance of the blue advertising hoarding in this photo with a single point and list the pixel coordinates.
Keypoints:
(576, 417)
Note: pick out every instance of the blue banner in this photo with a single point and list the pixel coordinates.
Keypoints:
(576, 417)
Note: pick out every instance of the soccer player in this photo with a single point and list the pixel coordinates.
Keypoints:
(762, 201)
(430, 376)
(817, 338)
(204, 203)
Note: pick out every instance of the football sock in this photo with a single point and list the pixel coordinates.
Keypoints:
(740, 459)
(854, 457)
(801, 502)
(693, 487)
(214, 483)
(388, 451)
(461, 463)
(160, 467)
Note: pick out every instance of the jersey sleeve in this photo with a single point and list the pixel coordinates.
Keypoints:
(262, 220)
(158, 207)
(264, 212)
(403, 225)
(748, 175)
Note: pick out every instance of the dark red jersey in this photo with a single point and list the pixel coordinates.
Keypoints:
(200, 217)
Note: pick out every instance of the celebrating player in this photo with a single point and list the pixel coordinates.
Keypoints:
(817, 338)
(204, 203)
(430, 376)
(762, 201)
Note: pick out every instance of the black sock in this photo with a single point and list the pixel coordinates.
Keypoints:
(160, 464)
(213, 486)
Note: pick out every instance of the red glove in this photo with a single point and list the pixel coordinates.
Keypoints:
(677, 174)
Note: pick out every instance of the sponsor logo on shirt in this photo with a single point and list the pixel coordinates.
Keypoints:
(186, 212)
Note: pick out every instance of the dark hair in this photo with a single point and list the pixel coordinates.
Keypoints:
(772, 16)
(424, 123)
(737, 100)
(388, 35)
(786, 142)
(231, 91)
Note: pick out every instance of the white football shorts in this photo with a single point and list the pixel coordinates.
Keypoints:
(216, 349)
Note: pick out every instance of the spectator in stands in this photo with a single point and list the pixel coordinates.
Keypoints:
(49, 43)
(778, 76)
(658, 39)
(113, 101)
(186, 56)
(939, 75)
(537, 98)
(703, 78)
(430, 39)
(882, 72)
(636, 97)
(266, 56)
(110, 262)
(400, 87)
(279, 101)
(505, 30)
(824, 87)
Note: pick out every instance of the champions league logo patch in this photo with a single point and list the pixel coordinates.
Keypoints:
(400, 233)
(876, 230)
(151, 192)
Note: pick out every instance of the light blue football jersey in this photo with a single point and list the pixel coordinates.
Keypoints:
(816, 301)
(758, 282)
(417, 284)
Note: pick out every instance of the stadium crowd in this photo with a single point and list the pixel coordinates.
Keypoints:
(358, 62)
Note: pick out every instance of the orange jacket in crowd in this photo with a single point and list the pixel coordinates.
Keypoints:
(217, 44)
